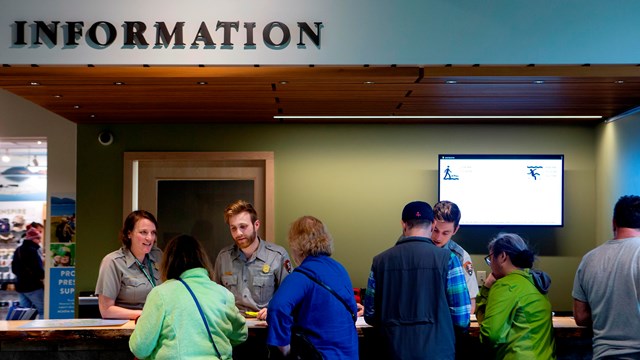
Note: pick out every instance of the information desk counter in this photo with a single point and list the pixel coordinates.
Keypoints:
(109, 339)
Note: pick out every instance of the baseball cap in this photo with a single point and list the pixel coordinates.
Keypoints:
(417, 210)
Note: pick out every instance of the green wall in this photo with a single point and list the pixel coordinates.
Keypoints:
(356, 178)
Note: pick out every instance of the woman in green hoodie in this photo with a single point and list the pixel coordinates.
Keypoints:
(513, 310)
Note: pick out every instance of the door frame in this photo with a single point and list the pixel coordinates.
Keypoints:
(259, 159)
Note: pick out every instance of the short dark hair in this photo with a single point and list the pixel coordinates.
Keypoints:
(447, 211)
(130, 223)
(515, 248)
(418, 224)
(626, 213)
(182, 253)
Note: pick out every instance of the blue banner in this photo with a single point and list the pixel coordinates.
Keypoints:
(62, 293)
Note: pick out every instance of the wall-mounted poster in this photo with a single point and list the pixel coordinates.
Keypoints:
(63, 219)
(62, 293)
(61, 257)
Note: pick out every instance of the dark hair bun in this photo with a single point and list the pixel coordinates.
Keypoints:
(523, 259)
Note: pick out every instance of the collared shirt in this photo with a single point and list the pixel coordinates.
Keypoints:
(252, 281)
(457, 294)
(121, 278)
(467, 267)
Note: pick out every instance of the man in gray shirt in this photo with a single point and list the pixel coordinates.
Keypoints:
(252, 269)
(606, 289)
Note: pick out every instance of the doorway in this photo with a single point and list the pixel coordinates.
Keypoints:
(188, 192)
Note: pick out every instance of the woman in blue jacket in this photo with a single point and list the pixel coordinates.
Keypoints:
(327, 319)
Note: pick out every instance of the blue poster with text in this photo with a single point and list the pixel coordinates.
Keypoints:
(62, 293)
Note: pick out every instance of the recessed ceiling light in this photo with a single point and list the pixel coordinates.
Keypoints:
(118, 83)
(369, 82)
(57, 96)
(450, 82)
(34, 83)
(202, 83)
(538, 81)
(619, 81)
(76, 106)
(92, 115)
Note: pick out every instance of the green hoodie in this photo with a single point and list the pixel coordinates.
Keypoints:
(515, 316)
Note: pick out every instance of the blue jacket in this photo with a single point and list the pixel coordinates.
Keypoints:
(301, 302)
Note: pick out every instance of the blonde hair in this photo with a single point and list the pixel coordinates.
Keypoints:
(238, 207)
(309, 236)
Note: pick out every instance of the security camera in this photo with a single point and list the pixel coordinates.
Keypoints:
(105, 138)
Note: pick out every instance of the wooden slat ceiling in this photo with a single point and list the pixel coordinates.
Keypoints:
(255, 94)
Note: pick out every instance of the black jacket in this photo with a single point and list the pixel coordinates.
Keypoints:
(411, 308)
(28, 268)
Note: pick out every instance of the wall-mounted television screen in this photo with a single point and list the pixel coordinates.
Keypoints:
(503, 190)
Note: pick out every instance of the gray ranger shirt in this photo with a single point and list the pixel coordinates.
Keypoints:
(252, 281)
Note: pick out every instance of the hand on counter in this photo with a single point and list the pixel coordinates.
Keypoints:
(262, 314)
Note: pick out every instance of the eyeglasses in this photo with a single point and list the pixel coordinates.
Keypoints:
(487, 259)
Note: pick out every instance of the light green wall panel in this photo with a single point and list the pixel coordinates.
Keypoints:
(355, 178)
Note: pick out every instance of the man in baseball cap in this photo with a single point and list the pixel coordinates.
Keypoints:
(416, 295)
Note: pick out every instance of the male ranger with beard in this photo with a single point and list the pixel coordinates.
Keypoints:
(252, 269)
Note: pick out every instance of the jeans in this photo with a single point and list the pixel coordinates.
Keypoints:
(33, 299)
